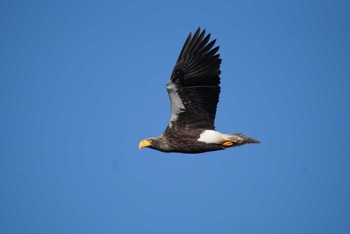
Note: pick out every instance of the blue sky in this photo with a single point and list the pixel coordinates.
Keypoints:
(82, 82)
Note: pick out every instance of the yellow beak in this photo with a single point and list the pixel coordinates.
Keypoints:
(144, 143)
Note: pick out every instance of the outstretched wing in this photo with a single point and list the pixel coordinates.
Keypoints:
(194, 86)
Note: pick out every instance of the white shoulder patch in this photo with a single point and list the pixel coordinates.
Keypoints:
(176, 103)
(211, 136)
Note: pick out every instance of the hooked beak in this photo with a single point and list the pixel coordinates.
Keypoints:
(144, 143)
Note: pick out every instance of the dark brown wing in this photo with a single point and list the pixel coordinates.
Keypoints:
(194, 86)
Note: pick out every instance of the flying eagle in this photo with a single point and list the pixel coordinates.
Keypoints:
(194, 89)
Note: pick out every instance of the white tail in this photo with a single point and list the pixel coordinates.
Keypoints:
(240, 139)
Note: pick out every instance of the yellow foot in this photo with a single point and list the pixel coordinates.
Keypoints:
(227, 143)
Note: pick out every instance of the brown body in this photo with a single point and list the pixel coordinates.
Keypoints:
(184, 142)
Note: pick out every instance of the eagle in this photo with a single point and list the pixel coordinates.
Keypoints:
(194, 89)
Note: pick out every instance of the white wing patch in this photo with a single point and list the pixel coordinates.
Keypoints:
(177, 105)
(211, 137)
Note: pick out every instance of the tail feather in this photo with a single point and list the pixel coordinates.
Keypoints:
(241, 139)
(247, 139)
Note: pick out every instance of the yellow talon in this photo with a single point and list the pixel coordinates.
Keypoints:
(228, 143)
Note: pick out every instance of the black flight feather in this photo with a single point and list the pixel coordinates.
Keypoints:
(194, 85)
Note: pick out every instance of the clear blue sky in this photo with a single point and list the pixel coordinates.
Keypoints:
(82, 82)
